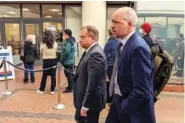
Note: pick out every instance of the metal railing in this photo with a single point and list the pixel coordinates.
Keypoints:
(59, 66)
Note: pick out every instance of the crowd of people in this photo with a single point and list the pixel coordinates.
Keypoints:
(126, 61)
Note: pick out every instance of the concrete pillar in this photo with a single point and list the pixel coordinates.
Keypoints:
(94, 13)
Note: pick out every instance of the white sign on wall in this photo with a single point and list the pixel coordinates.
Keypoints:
(7, 54)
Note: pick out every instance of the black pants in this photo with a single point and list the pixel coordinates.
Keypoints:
(109, 74)
(52, 72)
(92, 117)
(116, 114)
(69, 76)
(109, 71)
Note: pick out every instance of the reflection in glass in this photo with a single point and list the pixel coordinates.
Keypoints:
(12, 34)
(9, 10)
(33, 31)
(31, 11)
(54, 27)
(52, 11)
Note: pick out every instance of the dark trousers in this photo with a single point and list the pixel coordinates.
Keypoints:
(109, 71)
(109, 74)
(52, 72)
(92, 117)
(180, 66)
(69, 76)
(116, 114)
(30, 66)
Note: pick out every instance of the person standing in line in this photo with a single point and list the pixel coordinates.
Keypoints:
(29, 59)
(48, 51)
(132, 80)
(89, 81)
(67, 58)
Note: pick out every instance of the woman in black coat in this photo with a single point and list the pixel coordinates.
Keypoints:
(29, 59)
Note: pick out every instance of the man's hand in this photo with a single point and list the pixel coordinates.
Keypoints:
(83, 112)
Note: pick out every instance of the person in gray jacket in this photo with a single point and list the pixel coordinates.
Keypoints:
(89, 81)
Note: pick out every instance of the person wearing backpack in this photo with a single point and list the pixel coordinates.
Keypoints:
(28, 59)
(145, 30)
(67, 58)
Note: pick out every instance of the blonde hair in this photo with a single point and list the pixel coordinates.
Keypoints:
(28, 38)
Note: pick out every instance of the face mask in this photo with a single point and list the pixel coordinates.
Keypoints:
(141, 31)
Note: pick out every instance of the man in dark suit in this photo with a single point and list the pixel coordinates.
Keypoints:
(132, 79)
(89, 81)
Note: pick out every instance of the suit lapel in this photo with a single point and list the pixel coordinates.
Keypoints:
(83, 59)
(125, 49)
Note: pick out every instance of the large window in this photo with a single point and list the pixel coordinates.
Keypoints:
(9, 11)
(12, 32)
(31, 11)
(52, 11)
(73, 21)
(158, 26)
(175, 26)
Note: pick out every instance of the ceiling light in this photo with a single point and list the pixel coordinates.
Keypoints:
(54, 10)
(48, 16)
(26, 9)
(12, 12)
(6, 16)
(60, 13)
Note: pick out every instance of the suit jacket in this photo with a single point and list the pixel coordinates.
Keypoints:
(89, 80)
(135, 79)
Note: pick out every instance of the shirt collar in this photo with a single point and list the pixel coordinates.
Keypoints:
(124, 40)
(90, 47)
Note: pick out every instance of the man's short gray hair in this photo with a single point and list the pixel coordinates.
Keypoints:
(92, 31)
(130, 15)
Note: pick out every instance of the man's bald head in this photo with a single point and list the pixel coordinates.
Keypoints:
(128, 14)
(123, 21)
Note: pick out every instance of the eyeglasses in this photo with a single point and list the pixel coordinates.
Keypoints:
(83, 37)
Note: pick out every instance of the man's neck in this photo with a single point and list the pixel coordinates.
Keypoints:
(87, 49)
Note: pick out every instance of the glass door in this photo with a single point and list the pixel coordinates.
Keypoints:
(33, 30)
(55, 28)
(12, 36)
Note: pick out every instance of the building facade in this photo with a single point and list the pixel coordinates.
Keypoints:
(18, 19)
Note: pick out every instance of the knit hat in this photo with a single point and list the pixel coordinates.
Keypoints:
(146, 27)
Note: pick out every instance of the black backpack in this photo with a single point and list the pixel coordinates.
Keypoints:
(163, 64)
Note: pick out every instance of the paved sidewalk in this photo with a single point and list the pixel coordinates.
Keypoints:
(26, 106)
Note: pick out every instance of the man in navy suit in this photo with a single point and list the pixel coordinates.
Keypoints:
(132, 79)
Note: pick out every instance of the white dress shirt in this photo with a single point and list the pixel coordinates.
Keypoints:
(123, 41)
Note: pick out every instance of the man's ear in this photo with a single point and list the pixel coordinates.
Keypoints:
(130, 24)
